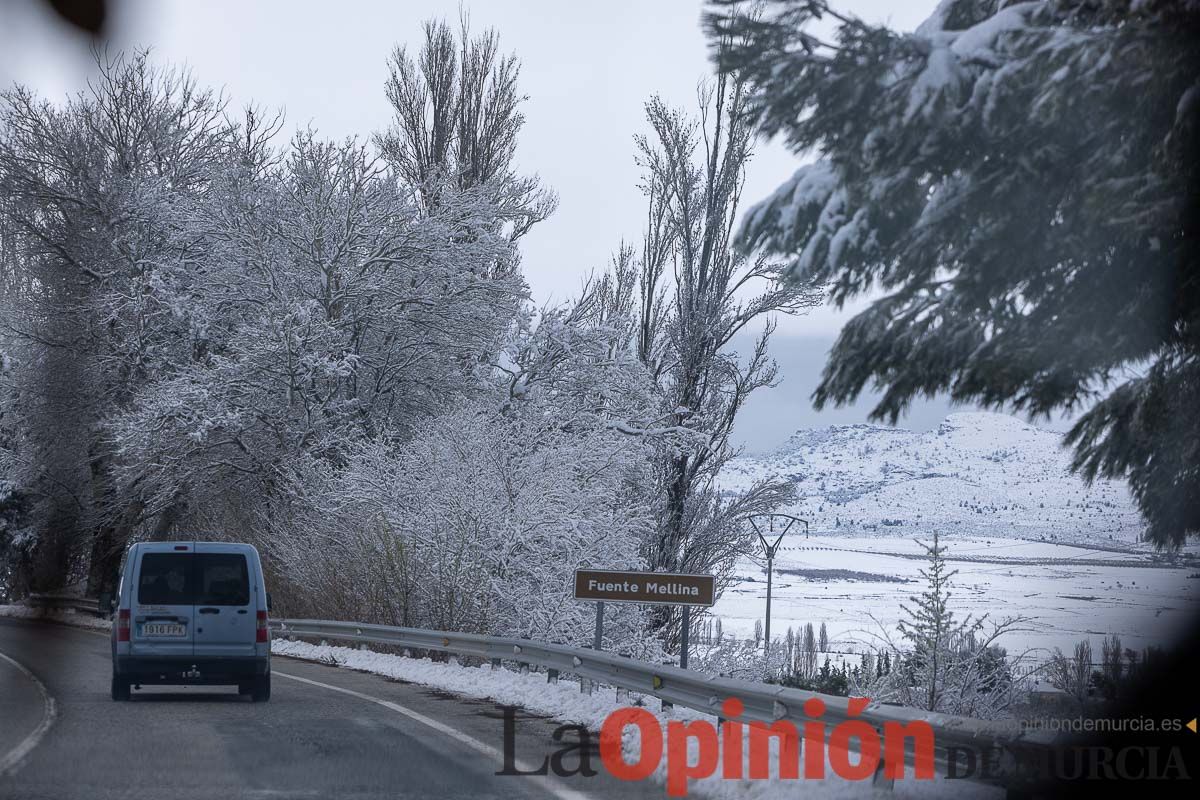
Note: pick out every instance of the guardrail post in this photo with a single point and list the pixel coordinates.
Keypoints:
(598, 643)
(880, 780)
(495, 663)
(622, 695)
(524, 668)
(585, 685)
(551, 676)
(667, 705)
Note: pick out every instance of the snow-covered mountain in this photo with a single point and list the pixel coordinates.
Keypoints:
(978, 473)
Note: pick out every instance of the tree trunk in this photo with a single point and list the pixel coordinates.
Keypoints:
(51, 560)
(103, 562)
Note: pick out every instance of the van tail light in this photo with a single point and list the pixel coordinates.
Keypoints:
(262, 635)
(123, 625)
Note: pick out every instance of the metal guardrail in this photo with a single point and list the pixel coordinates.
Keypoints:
(695, 690)
(66, 602)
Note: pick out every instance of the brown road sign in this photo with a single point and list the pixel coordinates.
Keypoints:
(644, 587)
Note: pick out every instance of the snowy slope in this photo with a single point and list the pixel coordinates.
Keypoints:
(978, 473)
(1024, 536)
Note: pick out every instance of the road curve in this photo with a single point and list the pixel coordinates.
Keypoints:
(27, 711)
(333, 733)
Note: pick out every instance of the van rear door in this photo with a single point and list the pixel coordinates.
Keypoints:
(225, 601)
(162, 604)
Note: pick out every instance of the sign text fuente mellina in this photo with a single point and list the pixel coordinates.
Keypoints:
(644, 587)
(665, 589)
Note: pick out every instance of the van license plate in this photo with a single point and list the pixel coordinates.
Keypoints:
(163, 629)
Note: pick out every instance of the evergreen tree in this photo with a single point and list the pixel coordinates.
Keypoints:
(930, 627)
(1020, 180)
(944, 663)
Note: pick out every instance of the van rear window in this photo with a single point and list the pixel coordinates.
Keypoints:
(222, 580)
(184, 579)
(166, 579)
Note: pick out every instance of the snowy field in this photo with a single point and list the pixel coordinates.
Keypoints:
(1072, 592)
(1026, 536)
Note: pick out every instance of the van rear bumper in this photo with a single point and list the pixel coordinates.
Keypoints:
(177, 670)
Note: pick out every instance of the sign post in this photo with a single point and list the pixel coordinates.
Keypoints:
(599, 643)
(648, 588)
(683, 637)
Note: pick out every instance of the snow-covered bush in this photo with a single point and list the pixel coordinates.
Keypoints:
(476, 523)
(746, 659)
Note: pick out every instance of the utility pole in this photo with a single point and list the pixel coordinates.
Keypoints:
(770, 548)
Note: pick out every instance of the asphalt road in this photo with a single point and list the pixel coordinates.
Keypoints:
(327, 732)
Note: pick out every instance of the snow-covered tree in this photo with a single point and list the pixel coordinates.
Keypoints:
(686, 294)
(458, 115)
(336, 312)
(1019, 180)
(477, 522)
(806, 666)
(943, 662)
(1073, 674)
(192, 313)
(100, 258)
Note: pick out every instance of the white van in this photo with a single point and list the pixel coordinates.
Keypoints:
(192, 613)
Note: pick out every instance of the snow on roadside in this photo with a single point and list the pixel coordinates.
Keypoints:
(564, 702)
(65, 616)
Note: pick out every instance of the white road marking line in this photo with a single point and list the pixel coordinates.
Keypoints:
(551, 786)
(12, 760)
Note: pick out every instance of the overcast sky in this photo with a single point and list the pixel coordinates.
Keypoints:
(587, 68)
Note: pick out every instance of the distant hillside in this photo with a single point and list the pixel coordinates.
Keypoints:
(978, 473)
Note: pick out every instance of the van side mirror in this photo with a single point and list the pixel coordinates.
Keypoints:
(268, 601)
